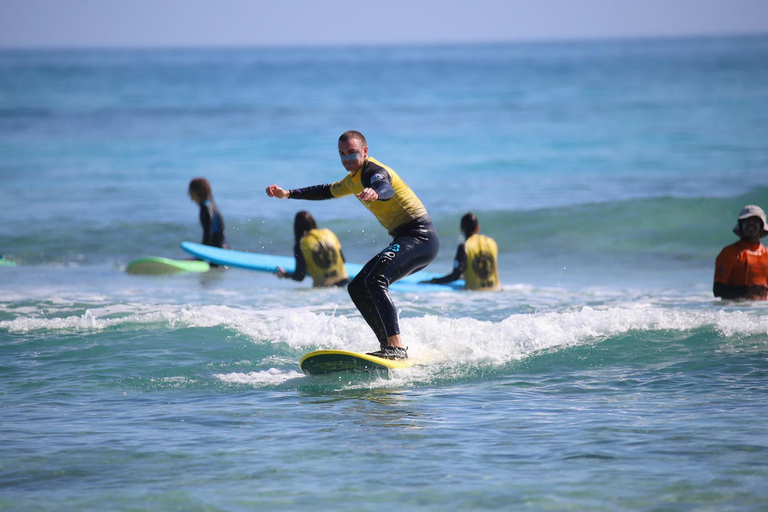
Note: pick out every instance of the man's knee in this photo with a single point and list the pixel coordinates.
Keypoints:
(356, 288)
(375, 282)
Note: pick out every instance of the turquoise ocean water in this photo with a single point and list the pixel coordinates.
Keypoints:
(605, 376)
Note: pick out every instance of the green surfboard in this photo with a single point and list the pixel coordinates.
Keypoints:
(154, 265)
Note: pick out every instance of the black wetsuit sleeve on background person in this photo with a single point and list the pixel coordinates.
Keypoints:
(459, 266)
(301, 266)
(206, 219)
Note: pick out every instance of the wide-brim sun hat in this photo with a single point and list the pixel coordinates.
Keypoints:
(751, 210)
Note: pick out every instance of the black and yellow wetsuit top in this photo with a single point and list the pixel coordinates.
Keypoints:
(320, 252)
(397, 204)
(476, 260)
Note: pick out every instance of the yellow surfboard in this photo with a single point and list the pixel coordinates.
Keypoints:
(332, 361)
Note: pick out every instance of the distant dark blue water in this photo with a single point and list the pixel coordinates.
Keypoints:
(604, 377)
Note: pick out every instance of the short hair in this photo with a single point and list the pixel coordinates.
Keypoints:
(201, 188)
(303, 222)
(353, 134)
(468, 224)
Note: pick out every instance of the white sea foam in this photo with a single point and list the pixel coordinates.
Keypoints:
(515, 337)
(269, 377)
(428, 336)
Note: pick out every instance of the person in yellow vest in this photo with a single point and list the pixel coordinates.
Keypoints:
(414, 240)
(318, 253)
(476, 259)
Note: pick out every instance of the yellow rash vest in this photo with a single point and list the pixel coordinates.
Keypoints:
(322, 256)
(482, 271)
(397, 204)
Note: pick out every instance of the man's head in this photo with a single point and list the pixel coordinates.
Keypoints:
(469, 225)
(353, 150)
(751, 223)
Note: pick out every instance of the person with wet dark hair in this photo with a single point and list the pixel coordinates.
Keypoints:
(213, 223)
(476, 259)
(317, 252)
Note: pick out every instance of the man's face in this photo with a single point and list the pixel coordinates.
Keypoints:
(353, 154)
(751, 227)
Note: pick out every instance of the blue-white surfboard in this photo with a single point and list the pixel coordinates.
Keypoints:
(270, 262)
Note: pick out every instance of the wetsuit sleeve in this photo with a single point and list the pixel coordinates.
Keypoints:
(301, 265)
(459, 266)
(206, 219)
(379, 180)
(313, 193)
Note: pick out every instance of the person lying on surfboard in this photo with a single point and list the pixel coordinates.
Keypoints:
(317, 252)
(414, 240)
(210, 217)
(476, 259)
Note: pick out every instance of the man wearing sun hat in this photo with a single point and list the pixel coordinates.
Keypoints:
(741, 269)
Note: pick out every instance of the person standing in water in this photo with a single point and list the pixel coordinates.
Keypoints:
(317, 252)
(210, 217)
(414, 240)
(741, 269)
(476, 259)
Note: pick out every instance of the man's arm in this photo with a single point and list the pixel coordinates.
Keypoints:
(722, 274)
(378, 180)
(313, 193)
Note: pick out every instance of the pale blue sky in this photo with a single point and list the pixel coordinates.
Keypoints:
(141, 23)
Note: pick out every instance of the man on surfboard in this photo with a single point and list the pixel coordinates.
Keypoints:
(414, 240)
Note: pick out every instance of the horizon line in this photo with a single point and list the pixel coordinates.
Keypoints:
(382, 44)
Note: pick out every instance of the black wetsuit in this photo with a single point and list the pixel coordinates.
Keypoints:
(213, 225)
(414, 245)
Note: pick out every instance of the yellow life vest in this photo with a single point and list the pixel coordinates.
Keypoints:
(322, 257)
(482, 263)
(393, 213)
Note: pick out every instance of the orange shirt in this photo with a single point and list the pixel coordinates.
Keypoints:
(742, 264)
